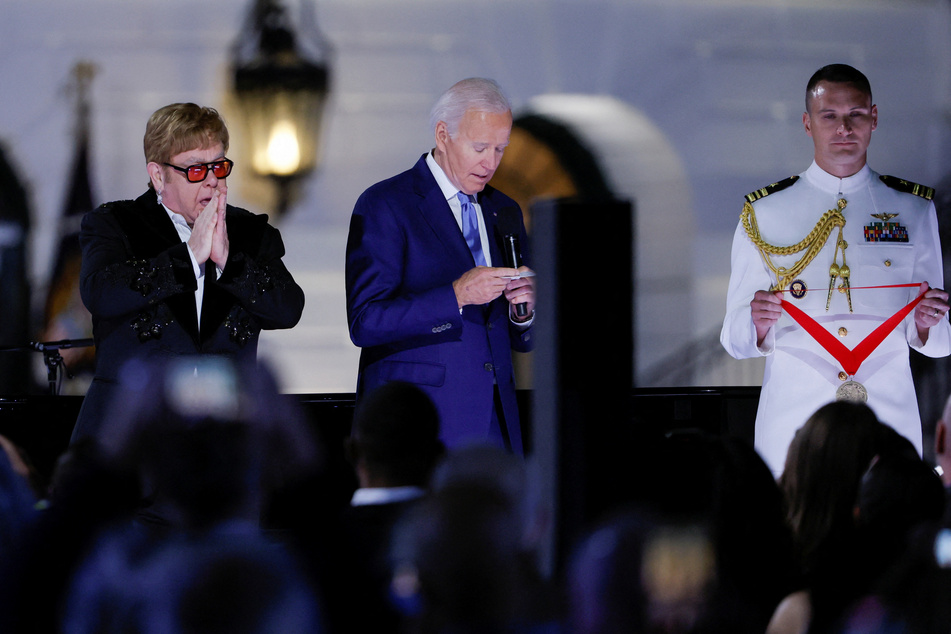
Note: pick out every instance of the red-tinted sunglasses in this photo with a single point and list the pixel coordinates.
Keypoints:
(199, 172)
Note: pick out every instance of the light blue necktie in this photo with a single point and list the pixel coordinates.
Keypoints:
(470, 228)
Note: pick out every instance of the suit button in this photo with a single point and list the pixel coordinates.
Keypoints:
(489, 367)
(843, 376)
(888, 262)
(843, 331)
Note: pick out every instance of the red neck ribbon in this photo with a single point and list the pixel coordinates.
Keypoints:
(851, 360)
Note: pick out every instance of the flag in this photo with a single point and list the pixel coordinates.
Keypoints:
(14, 283)
(64, 315)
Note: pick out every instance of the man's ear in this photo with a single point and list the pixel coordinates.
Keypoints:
(442, 135)
(156, 175)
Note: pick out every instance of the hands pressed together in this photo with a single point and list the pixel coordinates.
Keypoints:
(482, 284)
(209, 239)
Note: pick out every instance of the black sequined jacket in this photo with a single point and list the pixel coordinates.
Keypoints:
(138, 282)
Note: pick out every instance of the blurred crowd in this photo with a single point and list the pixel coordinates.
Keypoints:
(211, 508)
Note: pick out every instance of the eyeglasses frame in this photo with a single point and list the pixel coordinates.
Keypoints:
(208, 169)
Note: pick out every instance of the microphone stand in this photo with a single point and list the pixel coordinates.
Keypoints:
(52, 358)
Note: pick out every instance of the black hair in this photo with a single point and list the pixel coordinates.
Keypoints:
(838, 74)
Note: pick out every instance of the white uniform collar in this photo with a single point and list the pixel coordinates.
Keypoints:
(835, 185)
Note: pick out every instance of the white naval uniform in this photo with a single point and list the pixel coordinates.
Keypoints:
(800, 375)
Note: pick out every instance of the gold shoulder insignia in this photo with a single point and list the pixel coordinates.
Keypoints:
(770, 189)
(908, 187)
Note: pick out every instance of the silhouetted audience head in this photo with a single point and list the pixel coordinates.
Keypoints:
(209, 437)
(393, 447)
(223, 581)
(897, 493)
(495, 468)
(635, 573)
(85, 496)
(721, 483)
(855, 489)
(465, 558)
(913, 597)
(457, 562)
(86, 480)
(394, 439)
(824, 465)
(899, 503)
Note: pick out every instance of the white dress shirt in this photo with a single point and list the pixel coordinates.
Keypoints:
(449, 191)
(185, 232)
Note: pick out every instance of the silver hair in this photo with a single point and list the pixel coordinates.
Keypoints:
(475, 93)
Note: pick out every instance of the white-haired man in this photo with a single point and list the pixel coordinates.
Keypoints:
(426, 298)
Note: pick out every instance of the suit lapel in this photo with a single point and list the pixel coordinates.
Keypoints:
(436, 213)
(490, 214)
(152, 233)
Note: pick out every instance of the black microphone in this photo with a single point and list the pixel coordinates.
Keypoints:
(509, 226)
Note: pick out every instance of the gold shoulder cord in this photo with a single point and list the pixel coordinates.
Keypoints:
(811, 244)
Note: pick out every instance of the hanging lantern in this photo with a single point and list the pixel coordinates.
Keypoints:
(281, 89)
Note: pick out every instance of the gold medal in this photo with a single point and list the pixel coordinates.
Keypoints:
(852, 391)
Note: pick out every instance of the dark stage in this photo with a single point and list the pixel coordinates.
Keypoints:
(41, 424)
(599, 462)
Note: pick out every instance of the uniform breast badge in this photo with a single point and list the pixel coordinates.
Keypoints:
(797, 288)
(885, 231)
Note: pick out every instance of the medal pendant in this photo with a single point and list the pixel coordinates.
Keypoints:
(852, 391)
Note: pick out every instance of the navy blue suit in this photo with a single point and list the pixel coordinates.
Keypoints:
(138, 282)
(403, 254)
